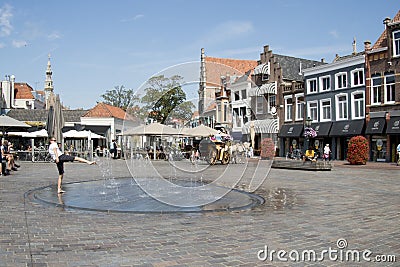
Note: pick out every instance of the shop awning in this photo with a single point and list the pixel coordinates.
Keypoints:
(347, 128)
(322, 128)
(393, 126)
(261, 126)
(291, 130)
(266, 88)
(375, 126)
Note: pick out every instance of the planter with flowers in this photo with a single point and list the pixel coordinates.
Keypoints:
(267, 149)
(357, 151)
(309, 132)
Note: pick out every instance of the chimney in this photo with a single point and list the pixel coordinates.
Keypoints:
(322, 60)
(386, 21)
(367, 45)
(354, 46)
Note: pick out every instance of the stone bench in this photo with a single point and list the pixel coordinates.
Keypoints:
(301, 165)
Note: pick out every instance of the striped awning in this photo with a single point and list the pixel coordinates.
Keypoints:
(266, 88)
(262, 69)
(261, 126)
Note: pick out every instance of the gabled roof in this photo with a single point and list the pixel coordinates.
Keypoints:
(292, 66)
(217, 67)
(40, 115)
(382, 40)
(102, 110)
(23, 91)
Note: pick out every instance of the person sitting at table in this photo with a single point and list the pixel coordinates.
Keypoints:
(8, 157)
(309, 155)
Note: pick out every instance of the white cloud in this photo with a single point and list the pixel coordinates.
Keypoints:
(227, 31)
(136, 17)
(5, 17)
(334, 34)
(54, 36)
(19, 44)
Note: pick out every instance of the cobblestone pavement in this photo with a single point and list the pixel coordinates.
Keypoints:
(303, 211)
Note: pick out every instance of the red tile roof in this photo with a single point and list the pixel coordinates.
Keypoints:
(23, 91)
(102, 110)
(217, 67)
(382, 40)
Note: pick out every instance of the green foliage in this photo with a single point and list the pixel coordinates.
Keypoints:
(120, 97)
(357, 151)
(164, 99)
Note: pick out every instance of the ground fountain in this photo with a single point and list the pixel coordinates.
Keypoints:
(160, 186)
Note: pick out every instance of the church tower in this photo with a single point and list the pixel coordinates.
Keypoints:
(48, 86)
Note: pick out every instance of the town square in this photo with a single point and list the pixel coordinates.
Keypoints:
(303, 210)
(207, 134)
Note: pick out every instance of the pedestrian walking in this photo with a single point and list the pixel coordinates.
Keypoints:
(327, 152)
(59, 158)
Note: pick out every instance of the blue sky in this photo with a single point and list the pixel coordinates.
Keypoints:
(96, 45)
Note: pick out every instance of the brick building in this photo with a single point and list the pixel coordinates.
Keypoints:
(382, 69)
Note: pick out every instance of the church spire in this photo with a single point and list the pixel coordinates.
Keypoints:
(48, 85)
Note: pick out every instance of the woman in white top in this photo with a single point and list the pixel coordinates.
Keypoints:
(327, 152)
(60, 158)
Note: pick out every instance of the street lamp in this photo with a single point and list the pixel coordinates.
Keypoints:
(307, 127)
(308, 122)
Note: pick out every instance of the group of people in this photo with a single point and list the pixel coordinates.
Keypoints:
(311, 155)
(7, 158)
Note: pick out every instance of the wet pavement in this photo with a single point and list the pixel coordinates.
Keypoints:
(358, 206)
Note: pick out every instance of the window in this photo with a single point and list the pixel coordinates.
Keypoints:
(244, 95)
(288, 108)
(226, 112)
(272, 101)
(396, 43)
(259, 105)
(236, 96)
(299, 107)
(358, 105)
(341, 107)
(313, 110)
(312, 86)
(376, 90)
(325, 83)
(236, 118)
(357, 77)
(325, 110)
(390, 89)
(341, 80)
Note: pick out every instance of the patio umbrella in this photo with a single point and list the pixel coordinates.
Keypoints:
(40, 133)
(82, 135)
(200, 131)
(152, 129)
(55, 120)
(10, 124)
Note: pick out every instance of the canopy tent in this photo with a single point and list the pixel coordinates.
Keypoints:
(152, 129)
(8, 124)
(82, 135)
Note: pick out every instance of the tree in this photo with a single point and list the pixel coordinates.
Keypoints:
(120, 97)
(164, 99)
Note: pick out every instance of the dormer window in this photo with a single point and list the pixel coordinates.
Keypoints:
(396, 44)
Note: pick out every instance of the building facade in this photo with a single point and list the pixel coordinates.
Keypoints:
(335, 102)
(277, 85)
(382, 67)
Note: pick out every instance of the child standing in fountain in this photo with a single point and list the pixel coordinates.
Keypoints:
(60, 158)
